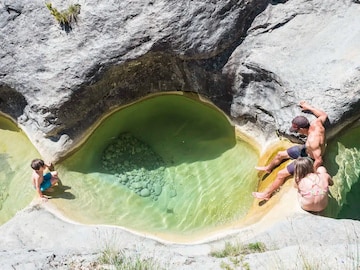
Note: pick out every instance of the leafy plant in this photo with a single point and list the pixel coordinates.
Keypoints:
(67, 17)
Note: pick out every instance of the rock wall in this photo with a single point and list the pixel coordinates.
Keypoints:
(254, 59)
(299, 50)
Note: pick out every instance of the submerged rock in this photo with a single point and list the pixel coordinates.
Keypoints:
(136, 165)
(145, 192)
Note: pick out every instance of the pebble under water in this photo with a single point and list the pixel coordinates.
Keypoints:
(136, 165)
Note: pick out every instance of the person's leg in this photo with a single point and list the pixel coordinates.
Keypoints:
(54, 177)
(280, 157)
(279, 180)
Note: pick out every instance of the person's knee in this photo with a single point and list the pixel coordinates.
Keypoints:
(282, 174)
(281, 155)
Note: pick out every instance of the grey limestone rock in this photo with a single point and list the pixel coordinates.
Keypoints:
(253, 59)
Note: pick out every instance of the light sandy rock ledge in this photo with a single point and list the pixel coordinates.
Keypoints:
(37, 238)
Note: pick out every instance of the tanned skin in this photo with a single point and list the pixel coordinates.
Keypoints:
(315, 147)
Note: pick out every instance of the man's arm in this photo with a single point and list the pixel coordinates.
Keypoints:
(317, 112)
(318, 161)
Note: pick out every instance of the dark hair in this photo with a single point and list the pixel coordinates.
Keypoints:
(37, 163)
(303, 166)
(299, 122)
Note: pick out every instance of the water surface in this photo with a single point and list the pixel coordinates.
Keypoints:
(169, 166)
(342, 160)
(203, 172)
(16, 153)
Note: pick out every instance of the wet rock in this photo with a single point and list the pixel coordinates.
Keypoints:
(145, 192)
(157, 189)
(136, 165)
(172, 193)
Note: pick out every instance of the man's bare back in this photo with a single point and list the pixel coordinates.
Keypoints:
(316, 141)
(314, 147)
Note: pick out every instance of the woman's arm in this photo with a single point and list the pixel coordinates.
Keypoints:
(322, 170)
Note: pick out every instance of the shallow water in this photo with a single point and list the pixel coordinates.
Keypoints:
(204, 173)
(342, 160)
(16, 153)
(168, 165)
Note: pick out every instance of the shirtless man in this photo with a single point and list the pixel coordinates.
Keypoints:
(314, 148)
(41, 181)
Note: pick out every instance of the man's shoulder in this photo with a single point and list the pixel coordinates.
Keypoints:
(316, 123)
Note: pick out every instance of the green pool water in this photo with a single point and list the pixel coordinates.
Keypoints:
(342, 160)
(197, 175)
(16, 153)
(167, 165)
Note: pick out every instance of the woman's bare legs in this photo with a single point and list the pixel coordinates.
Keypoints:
(279, 180)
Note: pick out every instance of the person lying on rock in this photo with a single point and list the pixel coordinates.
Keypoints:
(40, 180)
(312, 186)
(314, 148)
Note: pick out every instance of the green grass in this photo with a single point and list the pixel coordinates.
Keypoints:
(236, 254)
(231, 250)
(120, 261)
(111, 256)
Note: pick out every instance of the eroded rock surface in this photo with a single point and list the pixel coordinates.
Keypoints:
(117, 52)
(253, 59)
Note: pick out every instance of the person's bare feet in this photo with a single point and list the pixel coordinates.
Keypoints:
(263, 169)
(261, 195)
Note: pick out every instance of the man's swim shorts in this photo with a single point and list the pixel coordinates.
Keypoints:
(294, 152)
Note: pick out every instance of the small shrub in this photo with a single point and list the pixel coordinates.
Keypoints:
(67, 17)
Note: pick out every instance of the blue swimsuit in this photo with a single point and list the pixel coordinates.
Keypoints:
(46, 183)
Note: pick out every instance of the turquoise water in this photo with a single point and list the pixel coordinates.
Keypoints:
(342, 160)
(16, 153)
(168, 164)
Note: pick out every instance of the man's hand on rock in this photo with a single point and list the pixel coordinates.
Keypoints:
(305, 106)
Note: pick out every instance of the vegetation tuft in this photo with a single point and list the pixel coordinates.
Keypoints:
(231, 250)
(235, 254)
(67, 17)
(120, 261)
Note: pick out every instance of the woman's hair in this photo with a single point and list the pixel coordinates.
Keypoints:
(303, 166)
(36, 164)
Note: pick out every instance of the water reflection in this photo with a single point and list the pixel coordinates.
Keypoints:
(343, 162)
